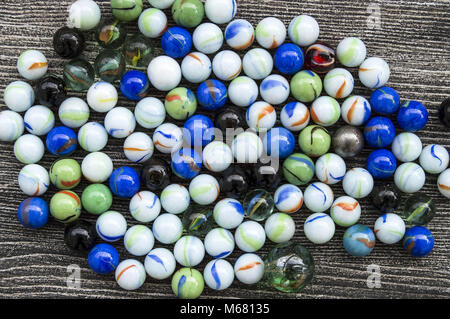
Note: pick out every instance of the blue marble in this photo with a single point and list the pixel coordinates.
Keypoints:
(412, 116)
(279, 142)
(379, 132)
(212, 95)
(418, 241)
(176, 42)
(359, 240)
(385, 100)
(61, 141)
(103, 259)
(198, 130)
(289, 58)
(134, 85)
(124, 182)
(381, 163)
(186, 163)
(33, 213)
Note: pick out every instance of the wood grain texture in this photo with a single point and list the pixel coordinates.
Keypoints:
(414, 40)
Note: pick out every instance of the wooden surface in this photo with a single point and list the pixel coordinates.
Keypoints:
(413, 38)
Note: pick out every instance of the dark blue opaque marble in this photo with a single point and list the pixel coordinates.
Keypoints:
(176, 42)
(289, 58)
(33, 213)
(134, 85)
(418, 241)
(198, 130)
(124, 182)
(279, 142)
(103, 259)
(385, 100)
(212, 95)
(359, 240)
(230, 118)
(412, 116)
(381, 163)
(444, 112)
(379, 132)
(80, 235)
(61, 141)
(186, 163)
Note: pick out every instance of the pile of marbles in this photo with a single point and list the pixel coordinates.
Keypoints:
(230, 188)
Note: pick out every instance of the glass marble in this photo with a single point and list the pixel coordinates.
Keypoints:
(111, 34)
(150, 112)
(96, 199)
(196, 67)
(33, 213)
(126, 10)
(32, 64)
(412, 116)
(318, 197)
(204, 189)
(156, 174)
(261, 116)
(164, 65)
(130, 274)
(434, 159)
(186, 163)
(306, 86)
(18, 96)
(258, 204)
(359, 240)
(239, 34)
(218, 274)
(374, 72)
(289, 58)
(188, 13)
(188, 283)
(80, 235)
(153, 23)
(229, 119)
(386, 198)
(298, 169)
(138, 51)
(160, 263)
(418, 241)
(348, 141)
(97, 167)
(279, 143)
(111, 226)
(320, 58)
(139, 240)
(65, 206)
(379, 132)
(270, 33)
(274, 89)
(78, 75)
(175, 199)
(351, 52)
(381, 164)
(120, 122)
(385, 101)
(356, 110)
(33, 180)
(330, 168)
(257, 63)
(295, 116)
(288, 198)
(92, 137)
(389, 228)
(50, 91)
(73, 112)
(220, 11)
(325, 111)
(358, 183)
(228, 213)
(161, 4)
(250, 236)
(84, 14)
(197, 220)
(227, 65)
(138, 147)
(314, 140)
(29, 149)
(12, 126)
(65, 173)
(217, 156)
(219, 243)
(68, 43)
(338, 83)
(249, 269)
(134, 85)
(167, 228)
(110, 65)
(168, 138)
(38, 120)
(444, 112)
(409, 177)
(243, 91)
(407, 147)
(212, 95)
(345, 211)
(189, 251)
(247, 147)
(103, 259)
(176, 42)
(319, 228)
(443, 183)
(279, 228)
(264, 175)
(124, 182)
(289, 267)
(207, 38)
(419, 209)
(303, 30)
(145, 206)
(234, 182)
(180, 103)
